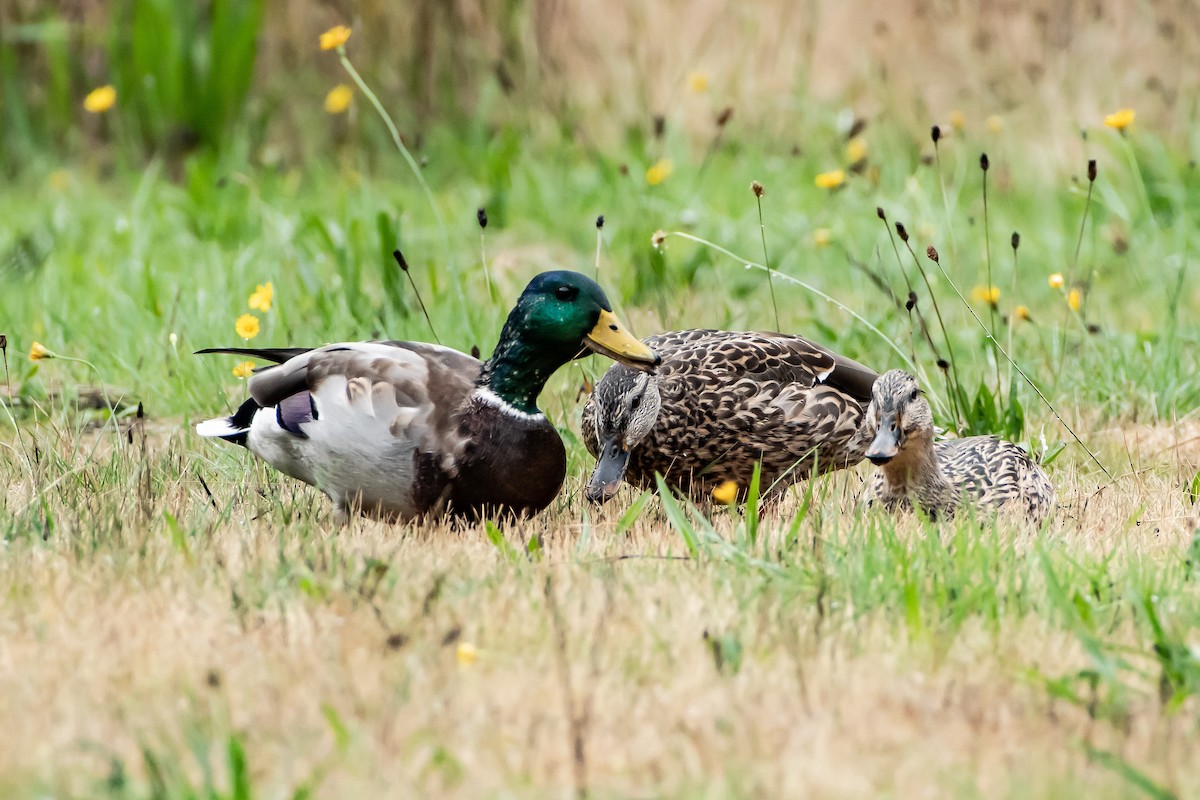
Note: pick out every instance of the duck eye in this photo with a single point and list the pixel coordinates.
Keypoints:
(566, 292)
(637, 401)
(912, 398)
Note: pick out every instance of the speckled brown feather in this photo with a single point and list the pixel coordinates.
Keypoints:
(730, 399)
(984, 471)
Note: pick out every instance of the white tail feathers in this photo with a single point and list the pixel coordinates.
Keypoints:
(221, 427)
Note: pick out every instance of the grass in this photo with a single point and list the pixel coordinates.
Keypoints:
(838, 654)
(179, 621)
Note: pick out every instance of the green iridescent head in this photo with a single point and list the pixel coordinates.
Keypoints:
(561, 315)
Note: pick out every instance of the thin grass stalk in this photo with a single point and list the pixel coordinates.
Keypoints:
(403, 264)
(394, 131)
(481, 217)
(416, 170)
(910, 303)
(11, 416)
(933, 256)
(952, 380)
(1012, 315)
(920, 314)
(757, 188)
(1087, 207)
(599, 243)
(987, 251)
(936, 135)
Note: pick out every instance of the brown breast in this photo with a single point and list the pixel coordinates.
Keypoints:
(507, 464)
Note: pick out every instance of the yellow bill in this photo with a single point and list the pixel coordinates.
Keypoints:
(609, 338)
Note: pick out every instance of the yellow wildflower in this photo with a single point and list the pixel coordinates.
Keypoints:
(1022, 313)
(830, 180)
(856, 150)
(38, 351)
(958, 120)
(100, 100)
(246, 326)
(244, 370)
(821, 237)
(995, 123)
(1074, 299)
(659, 172)
(59, 179)
(466, 654)
(1120, 119)
(338, 99)
(698, 82)
(1056, 280)
(261, 298)
(986, 294)
(726, 493)
(334, 37)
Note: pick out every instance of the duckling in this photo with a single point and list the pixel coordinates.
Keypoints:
(937, 476)
(720, 402)
(404, 429)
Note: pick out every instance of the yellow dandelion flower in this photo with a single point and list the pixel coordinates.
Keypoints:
(1120, 119)
(466, 654)
(1074, 299)
(100, 100)
(830, 180)
(995, 123)
(698, 82)
(38, 351)
(1056, 281)
(246, 326)
(59, 179)
(958, 120)
(338, 99)
(260, 299)
(244, 370)
(334, 37)
(726, 492)
(986, 294)
(856, 150)
(821, 237)
(1022, 313)
(659, 171)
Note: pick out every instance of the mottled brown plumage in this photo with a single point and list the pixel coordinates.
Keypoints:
(984, 471)
(720, 402)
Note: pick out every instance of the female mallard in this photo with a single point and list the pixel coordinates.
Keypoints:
(401, 429)
(937, 476)
(719, 403)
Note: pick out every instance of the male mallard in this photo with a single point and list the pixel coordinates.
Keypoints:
(401, 429)
(985, 470)
(720, 402)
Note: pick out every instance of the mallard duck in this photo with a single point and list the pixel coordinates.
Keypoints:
(404, 429)
(720, 402)
(983, 470)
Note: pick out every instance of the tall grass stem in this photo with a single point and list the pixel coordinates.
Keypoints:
(1020, 371)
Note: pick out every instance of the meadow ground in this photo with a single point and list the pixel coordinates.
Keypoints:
(179, 621)
(159, 640)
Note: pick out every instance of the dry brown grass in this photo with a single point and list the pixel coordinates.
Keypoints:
(605, 66)
(598, 68)
(114, 639)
